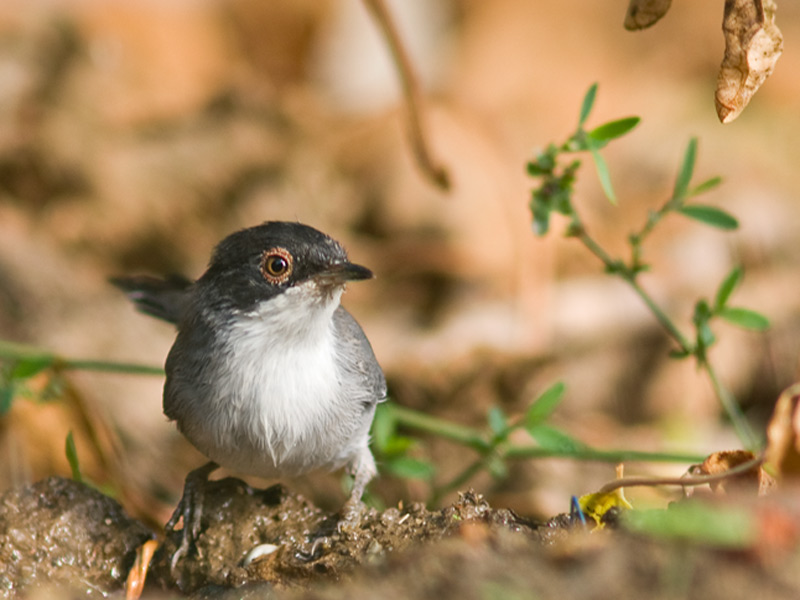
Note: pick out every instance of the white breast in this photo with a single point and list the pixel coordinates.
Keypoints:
(277, 405)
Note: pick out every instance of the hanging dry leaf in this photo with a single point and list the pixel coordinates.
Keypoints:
(644, 13)
(783, 435)
(753, 44)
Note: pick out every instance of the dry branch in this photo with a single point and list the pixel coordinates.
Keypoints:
(413, 96)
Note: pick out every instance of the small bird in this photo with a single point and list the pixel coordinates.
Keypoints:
(269, 375)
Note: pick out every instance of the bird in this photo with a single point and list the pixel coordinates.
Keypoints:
(268, 375)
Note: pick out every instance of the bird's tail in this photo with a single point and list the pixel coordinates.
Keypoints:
(161, 298)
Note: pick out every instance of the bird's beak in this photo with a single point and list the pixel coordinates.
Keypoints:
(343, 272)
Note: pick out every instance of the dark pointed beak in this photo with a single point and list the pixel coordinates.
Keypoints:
(343, 272)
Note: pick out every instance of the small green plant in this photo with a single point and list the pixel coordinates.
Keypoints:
(72, 458)
(556, 170)
(492, 444)
(34, 374)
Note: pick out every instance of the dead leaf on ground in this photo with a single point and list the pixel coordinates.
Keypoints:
(753, 480)
(138, 572)
(783, 435)
(753, 44)
(644, 13)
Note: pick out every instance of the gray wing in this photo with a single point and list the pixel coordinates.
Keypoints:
(358, 357)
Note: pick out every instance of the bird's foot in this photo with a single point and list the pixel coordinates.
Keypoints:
(351, 516)
(190, 509)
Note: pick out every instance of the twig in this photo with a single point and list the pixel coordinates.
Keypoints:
(681, 481)
(411, 90)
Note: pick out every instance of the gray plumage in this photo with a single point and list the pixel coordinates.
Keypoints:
(268, 375)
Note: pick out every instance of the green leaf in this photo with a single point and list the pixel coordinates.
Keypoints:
(705, 186)
(588, 103)
(743, 317)
(535, 170)
(384, 426)
(710, 215)
(541, 215)
(29, 366)
(397, 445)
(554, 439)
(603, 175)
(679, 354)
(702, 312)
(544, 405)
(578, 142)
(700, 318)
(731, 526)
(496, 467)
(687, 169)
(613, 129)
(726, 288)
(547, 159)
(54, 388)
(6, 397)
(411, 468)
(497, 421)
(705, 337)
(72, 458)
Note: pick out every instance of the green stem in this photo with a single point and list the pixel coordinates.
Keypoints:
(660, 315)
(612, 456)
(734, 411)
(654, 218)
(14, 351)
(618, 268)
(594, 247)
(110, 367)
(461, 434)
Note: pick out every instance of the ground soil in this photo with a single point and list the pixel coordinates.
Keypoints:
(59, 535)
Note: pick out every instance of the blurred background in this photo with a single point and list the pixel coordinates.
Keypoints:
(135, 135)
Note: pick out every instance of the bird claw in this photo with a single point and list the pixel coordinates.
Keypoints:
(190, 509)
(351, 516)
(352, 511)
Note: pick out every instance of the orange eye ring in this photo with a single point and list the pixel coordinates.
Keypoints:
(276, 265)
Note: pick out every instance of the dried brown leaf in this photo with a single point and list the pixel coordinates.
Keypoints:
(783, 435)
(754, 479)
(644, 13)
(138, 573)
(753, 44)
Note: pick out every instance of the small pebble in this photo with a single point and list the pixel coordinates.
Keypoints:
(258, 552)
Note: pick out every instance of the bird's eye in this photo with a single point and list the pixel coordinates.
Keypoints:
(276, 265)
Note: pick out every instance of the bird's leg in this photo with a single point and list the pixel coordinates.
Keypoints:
(190, 508)
(363, 469)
